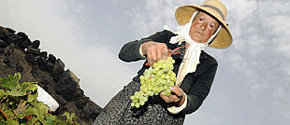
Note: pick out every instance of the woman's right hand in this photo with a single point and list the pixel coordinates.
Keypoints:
(154, 51)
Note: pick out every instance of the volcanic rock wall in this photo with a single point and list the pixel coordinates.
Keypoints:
(19, 54)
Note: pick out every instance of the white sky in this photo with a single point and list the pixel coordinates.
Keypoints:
(252, 83)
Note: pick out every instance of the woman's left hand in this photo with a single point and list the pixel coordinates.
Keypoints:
(176, 97)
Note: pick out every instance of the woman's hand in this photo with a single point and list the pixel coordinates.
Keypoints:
(154, 51)
(177, 96)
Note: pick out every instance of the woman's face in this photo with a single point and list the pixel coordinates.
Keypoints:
(203, 27)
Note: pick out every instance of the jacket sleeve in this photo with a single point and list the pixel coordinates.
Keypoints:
(130, 51)
(200, 89)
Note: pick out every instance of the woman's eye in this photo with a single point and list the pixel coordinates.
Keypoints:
(200, 19)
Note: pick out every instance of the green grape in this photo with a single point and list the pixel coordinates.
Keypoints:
(142, 102)
(137, 105)
(141, 77)
(150, 93)
(132, 97)
(154, 80)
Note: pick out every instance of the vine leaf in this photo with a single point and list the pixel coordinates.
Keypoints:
(10, 82)
(32, 97)
(19, 104)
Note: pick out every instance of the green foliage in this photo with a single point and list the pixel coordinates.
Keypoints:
(18, 105)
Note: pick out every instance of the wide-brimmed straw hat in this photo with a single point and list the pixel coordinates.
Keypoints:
(217, 10)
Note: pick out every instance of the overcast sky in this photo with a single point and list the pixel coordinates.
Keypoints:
(252, 82)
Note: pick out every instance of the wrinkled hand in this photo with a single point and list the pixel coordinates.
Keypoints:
(177, 96)
(154, 51)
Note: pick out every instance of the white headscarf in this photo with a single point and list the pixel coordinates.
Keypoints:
(192, 54)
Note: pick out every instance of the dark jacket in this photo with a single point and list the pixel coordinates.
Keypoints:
(196, 85)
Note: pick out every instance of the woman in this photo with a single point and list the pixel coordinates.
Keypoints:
(200, 27)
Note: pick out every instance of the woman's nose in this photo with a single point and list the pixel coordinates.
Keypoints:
(203, 26)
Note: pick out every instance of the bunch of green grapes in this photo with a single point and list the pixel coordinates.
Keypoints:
(154, 80)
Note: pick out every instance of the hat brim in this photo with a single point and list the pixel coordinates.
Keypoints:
(223, 38)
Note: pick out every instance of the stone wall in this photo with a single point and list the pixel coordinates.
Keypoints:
(19, 54)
